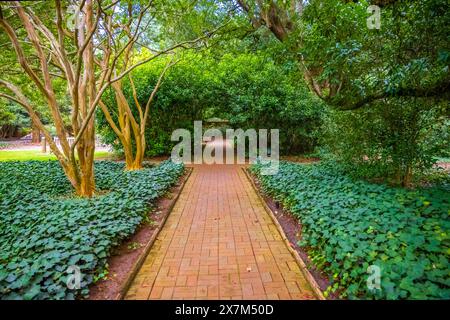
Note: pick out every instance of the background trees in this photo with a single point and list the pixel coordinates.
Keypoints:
(11, 120)
(234, 86)
(90, 54)
(349, 65)
(256, 92)
(397, 74)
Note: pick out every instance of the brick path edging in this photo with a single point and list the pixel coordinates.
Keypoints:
(220, 243)
(140, 261)
(294, 253)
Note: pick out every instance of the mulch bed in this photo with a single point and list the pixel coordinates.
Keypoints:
(123, 259)
(293, 230)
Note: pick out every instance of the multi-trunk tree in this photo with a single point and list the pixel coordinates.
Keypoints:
(45, 51)
(130, 126)
(130, 129)
(90, 45)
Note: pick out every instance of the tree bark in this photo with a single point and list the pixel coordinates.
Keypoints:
(80, 173)
(131, 128)
(35, 135)
(407, 177)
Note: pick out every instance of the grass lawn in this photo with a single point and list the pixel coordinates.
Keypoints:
(24, 155)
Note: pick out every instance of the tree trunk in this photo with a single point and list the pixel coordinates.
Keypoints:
(407, 177)
(85, 151)
(135, 165)
(129, 158)
(35, 135)
(139, 154)
(85, 146)
(133, 160)
(87, 183)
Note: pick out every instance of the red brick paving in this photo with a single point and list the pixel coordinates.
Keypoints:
(219, 243)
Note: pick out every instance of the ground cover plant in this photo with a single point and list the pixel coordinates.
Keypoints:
(349, 225)
(44, 229)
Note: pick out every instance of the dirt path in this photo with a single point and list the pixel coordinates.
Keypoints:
(219, 243)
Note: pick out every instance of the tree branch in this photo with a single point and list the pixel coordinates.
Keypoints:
(152, 95)
(23, 101)
(123, 74)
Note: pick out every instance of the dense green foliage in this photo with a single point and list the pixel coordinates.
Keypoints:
(255, 92)
(238, 87)
(408, 56)
(349, 225)
(395, 77)
(388, 141)
(44, 230)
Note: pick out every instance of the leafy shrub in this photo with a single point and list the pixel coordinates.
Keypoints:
(349, 225)
(183, 96)
(238, 87)
(248, 97)
(393, 141)
(44, 230)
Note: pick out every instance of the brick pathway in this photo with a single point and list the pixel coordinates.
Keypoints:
(219, 243)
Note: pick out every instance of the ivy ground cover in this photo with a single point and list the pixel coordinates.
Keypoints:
(44, 230)
(349, 225)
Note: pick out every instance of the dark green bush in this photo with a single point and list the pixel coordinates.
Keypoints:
(44, 229)
(392, 141)
(348, 225)
(238, 87)
(182, 98)
(257, 93)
